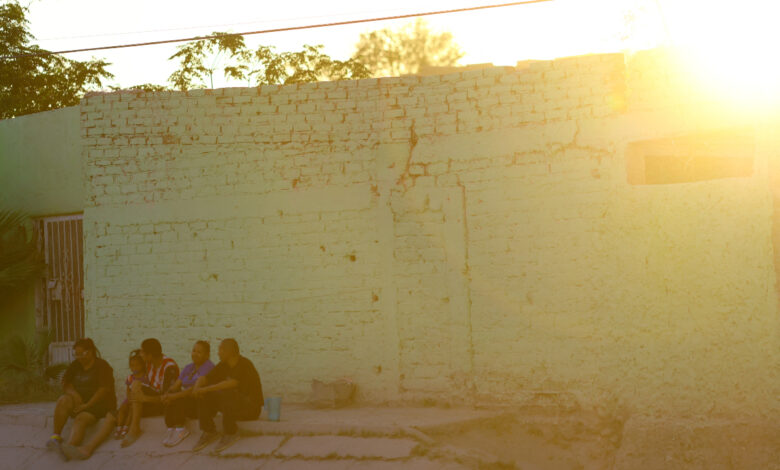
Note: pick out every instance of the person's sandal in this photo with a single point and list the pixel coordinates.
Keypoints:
(168, 436)
(120, 432)
(205, 439)
(177, 437)
(54, 442)
(226, 441)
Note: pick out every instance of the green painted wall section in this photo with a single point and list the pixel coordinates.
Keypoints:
(41, 173)
(41, 169)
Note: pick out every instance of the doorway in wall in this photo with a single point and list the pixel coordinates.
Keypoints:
(59, 299)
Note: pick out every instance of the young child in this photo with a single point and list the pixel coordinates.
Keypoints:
(138, 372)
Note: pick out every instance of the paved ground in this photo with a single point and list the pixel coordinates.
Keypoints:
(305, 438)
(530, 438)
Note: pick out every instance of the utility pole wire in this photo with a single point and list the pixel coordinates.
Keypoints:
(276, 30)
(213, 26)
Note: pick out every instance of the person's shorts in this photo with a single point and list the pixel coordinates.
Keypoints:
(99, 410)
(152, 409)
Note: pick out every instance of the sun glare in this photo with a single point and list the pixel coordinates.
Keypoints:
(731, 48)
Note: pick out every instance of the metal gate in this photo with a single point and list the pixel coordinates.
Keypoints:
(60, 294)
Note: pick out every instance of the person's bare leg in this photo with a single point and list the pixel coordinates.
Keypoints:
(136, 408)
(80, 423)
(135, 416)
(103, 432)
(65, 405)
(123, 414)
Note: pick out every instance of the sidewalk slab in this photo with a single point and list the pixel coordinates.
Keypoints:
(155, 459)
(345, 446)
(18, 457)
(295, 419)
(279, 464)
(259, 446)
(371, 420)
(47, 460)
(412, 464)
(352, 438)
(29, 414)
(418, 463)
(24, 436)
(204, 461)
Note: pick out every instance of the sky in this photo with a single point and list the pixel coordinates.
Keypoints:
(500, 36)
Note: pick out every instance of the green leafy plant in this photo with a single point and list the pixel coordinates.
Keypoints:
(199, 60)
(20, 261)
(24, 373)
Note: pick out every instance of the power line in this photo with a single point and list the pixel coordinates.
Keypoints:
(186, 28)
(277, 30)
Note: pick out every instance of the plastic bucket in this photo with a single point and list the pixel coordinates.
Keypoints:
(274, 407)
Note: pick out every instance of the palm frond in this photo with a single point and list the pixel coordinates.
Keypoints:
(20, 261)
(24, 373)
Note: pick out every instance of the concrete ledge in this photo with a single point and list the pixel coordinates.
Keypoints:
(296, 420)
(258, 446)
(33, 414)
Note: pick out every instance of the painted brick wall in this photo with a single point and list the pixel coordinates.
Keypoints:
(459, 237)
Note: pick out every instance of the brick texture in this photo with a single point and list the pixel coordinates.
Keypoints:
(460, 237)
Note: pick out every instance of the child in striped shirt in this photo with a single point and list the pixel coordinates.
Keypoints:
(138, 373)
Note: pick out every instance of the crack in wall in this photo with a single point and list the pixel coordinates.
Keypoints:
(405, 174)
(472, 387)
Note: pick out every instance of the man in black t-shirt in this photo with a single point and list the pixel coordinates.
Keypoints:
(89, 395)
(94, 386)
(233, 388)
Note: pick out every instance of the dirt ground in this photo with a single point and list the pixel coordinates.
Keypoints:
(587, 441)
(510, 441)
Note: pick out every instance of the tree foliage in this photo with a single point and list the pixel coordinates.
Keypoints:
(141, 87)
(33, 80)
(228, 54)
(30, 82)
(193, 71)
(389, 52)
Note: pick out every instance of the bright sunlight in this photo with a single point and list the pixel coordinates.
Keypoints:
(732, 49)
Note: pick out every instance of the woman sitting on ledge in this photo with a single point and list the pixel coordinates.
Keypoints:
(89, 396)
(179, 402)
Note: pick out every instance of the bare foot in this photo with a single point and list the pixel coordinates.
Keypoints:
(75, 453)
(130, 439)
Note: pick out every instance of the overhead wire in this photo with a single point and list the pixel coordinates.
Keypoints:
(276, 30)
(212, 26)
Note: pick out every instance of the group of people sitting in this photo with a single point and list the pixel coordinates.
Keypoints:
(156, 387)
